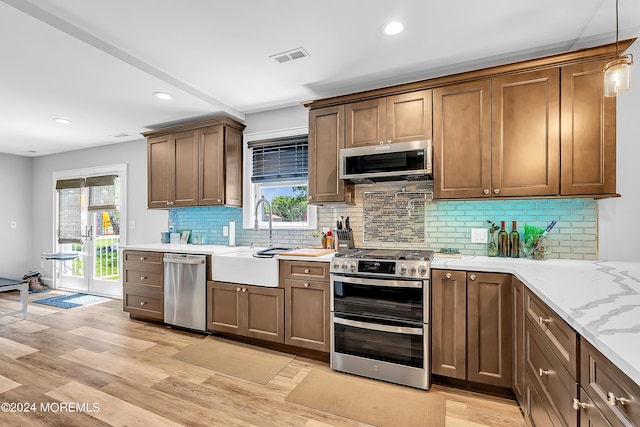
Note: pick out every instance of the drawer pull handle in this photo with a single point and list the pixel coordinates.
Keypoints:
(307, 271)
(143, 302)
(448, 275)
(543, 321)
(613, 400)
(577, 405)
(143, 258)
(542, 372)
(306, 285)
(143, 277)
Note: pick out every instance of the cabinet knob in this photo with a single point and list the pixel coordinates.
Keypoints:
(306, 271)
(472, 277)
(496, 191)
(143, 302)
(306, 285)
(143, 277)
(168, 203)
(381, 142)
(486, 191)
(143, 258)
(310, 197)
(543, 372)
(613, 400)
(543, 321)
(388, 141)
(244, 289)
(577, 405)
(237, 289)
(219, 200)
(448, 275)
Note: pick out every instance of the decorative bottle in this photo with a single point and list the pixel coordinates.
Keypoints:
(514, 242)
(503, 241)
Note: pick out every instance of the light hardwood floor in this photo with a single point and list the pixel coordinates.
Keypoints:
(97, 354)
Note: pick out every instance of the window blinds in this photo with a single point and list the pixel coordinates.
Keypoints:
(102, 193)
(282, 159)
(70, 210)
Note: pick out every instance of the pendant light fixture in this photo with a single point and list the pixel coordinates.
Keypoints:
(617, 72)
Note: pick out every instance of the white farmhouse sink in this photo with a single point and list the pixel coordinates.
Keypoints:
(242, 267)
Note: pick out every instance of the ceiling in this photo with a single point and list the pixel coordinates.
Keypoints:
(97, 63)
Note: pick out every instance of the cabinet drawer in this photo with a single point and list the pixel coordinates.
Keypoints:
(606, 385)
(313, 270)
(143, 304)
(149, 278)
(151, 258)
(537, 411)
(553, 380)
(562, 339)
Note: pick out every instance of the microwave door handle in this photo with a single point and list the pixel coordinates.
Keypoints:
(382, 283)
(378, 327)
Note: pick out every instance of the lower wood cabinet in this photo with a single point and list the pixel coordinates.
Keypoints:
(143, 285)
(518, 373)
(250, 311)
(471, 326)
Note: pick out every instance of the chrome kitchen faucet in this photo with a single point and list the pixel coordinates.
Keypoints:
(256, 224)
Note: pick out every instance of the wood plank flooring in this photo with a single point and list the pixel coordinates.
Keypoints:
(93, 366)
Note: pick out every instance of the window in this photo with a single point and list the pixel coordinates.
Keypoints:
(279, 172)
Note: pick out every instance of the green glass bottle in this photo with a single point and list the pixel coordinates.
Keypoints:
(514, 242)
(503, 241)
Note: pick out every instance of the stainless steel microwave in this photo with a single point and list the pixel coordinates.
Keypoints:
(403, 161)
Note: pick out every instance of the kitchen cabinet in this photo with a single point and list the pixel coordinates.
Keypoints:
(518, 319)
(588, 156)
(196, 164)
(471, 326)
(250, 311)
(143, 285)
(307, 299)
(396, 118)
(326, 138)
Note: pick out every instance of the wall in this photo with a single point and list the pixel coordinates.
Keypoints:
(15, 250)
(619, 230)
(148, 223)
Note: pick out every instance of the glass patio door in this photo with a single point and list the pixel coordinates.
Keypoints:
(89, 226)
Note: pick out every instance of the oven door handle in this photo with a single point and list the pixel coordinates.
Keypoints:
(377, 282)
(378, 327)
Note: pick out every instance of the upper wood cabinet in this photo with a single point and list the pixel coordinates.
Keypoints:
(197, 164)
(588, 165)
(396, 118)
(326, 138)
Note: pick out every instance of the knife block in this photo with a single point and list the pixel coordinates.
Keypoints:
(345, 240)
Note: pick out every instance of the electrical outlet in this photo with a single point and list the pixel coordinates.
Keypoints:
(225, 230)
(478, 235)
(132, 224)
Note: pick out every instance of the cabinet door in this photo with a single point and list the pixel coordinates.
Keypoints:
(366, 123)
(211, 168)
(517, 298)
(263, 313)
(588, 144)
(307, 314)
(224, 307)
(525, 148)
(489, 345)
(462, 140)
(185, 169)
(590, 416)
(326, 138)
(233, 167)
(159, 175)
(409, 117)
(449, 323)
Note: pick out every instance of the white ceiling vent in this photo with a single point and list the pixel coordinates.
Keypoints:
(120, 135)
(289, 55)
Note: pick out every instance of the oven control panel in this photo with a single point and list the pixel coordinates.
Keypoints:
(383, 268)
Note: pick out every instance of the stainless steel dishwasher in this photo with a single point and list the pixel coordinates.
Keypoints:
(185, 290)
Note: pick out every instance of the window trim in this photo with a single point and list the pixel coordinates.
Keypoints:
(249, 188)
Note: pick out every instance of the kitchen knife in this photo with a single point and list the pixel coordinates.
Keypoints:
(346, 224)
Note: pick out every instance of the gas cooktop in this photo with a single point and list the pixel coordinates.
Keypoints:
(390, 254)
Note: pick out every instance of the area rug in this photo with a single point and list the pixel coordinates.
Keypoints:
(369, 401)
(72, 300)
(239, 360)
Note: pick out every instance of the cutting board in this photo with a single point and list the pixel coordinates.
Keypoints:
(308, 252)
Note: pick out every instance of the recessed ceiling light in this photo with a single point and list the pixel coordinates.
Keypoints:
(393, 28)
(61, 120)
(163, 95)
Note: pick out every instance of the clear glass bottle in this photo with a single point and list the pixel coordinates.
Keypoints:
(503, 241)
(514, 242)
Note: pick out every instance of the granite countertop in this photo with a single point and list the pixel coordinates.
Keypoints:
(599, 299)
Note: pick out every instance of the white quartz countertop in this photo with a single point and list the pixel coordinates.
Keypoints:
(599, 299)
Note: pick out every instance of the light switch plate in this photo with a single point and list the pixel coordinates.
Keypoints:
(225, 230)
(478, 235)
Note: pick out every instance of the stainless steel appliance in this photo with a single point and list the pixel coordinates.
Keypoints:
(380, 314)
(185, 290)
(402, 161)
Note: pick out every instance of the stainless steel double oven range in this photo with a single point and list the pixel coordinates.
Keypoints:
(380, 314)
